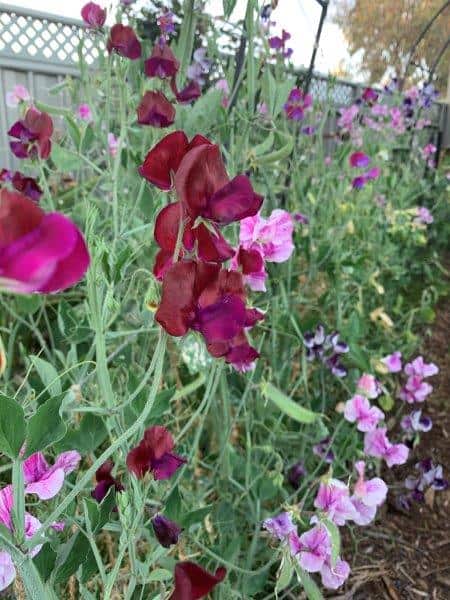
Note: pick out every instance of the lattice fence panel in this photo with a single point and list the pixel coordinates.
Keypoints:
(41, 39)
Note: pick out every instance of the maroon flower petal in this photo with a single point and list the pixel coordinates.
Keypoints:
(177, 308)
(167, 225)
(192, 91)
(164, 159)
(222, 320)
(252, 316)
(233, 202)
(251, 261)
(158, 440)
(163, 262)
(211, 245)
(93, 15)
(162, 63)
(138, 460)
(193, 582)
(155, 110)
(123, 40)
(200, 174)
(166, 466)
(166, 531)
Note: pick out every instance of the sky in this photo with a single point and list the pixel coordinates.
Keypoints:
(299, 17)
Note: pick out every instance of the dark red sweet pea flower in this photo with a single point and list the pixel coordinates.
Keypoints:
(162, 63)
(205, 298)
(166, 531)
(105, 481)
(359, 160)
(123, 40)
(155, 110)
(192, 91)
(154, 455)
(369, 95)
(163, 160)
(193, 582)
(93, 15)
(33, 132)
(250, 260)
(39, 252)
(26, 185)
(203, 186)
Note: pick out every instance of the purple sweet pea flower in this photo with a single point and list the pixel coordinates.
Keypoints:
(377, 444)
(200, 66)
(297, 104)
(279, 43)
(333, 499)
(415, 423)
(301, 218)
(46, 481)
(369, 95)
(393, 362)
(324, 451)
(295, 474)
(334, 576)
(313, 549)
(154, 454)
(165, 23)
(166, 531)
(420, 368)
(280, 526)
(105, 481)
(326, 348)
(430, 476)
(368, 495)
(358, 410)
(359, 160)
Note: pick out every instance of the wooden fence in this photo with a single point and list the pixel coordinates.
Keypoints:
(39, 50)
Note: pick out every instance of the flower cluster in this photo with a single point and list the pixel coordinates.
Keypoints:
(32, 135)
(416, 389)
(359, 160)
(28, 186)
(197, 293)
(297, 104)
(326, 348)
(278, 44)
(45, 482)
(429, 477)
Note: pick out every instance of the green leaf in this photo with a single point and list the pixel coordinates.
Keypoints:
(309, 585)
(335, 540)
(90, 434)
(46, 426)
(45, 561)
(284, 574)
(12, 426)
(74, 130)
(228, 7)
(65, 160)
(195, 516)
(70, 556)
(173, 507)
(159, 575)
(288, 406)
(98, 513)
(48, 375)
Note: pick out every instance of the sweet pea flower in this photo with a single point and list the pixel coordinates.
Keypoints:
(28, 186)
(166, 23)
(166, 531)
(420, 368)
(199, 67)
(113, 144)
(298, 103)
(313, 548)
(334, 576)
(369, 386)
(155, 110)
(424, 216)
(300, 218)
(105, 481)
(393, 362)
(33, 133)
(359, 160)
(326, 348)
(281, 526)
(84, 112)
(428, 150)
(333, 499)
(154, 454)
(192, 582)
(359, 410)
(377, 444)
(188, 94)
(295, 474)
(347, 117)
(93, 15)
(369, 95)
(323, 450)
(162, 63)
(123, 40)
(223, 86)
(32, 525)
(397, 120)
(279, 43)
(430, 476)
(39, 252)
(415, 423)
(368, 495)
(46, 481)
(415, 390)
(18, 94)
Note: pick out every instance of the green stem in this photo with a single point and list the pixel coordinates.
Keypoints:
(19, 501)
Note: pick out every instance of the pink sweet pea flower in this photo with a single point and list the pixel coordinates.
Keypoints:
(359, 410)
(377, 444)
(113, 144)
(18, 94)
(313, 548)
(347, 117)
(367, 495)
(334, 500)
(46, 481)
(369, 386)
(393, 362)
(424, 216)
(428, 150)
(334, 576)
(420, 368)
(415, 390)
(84, 112)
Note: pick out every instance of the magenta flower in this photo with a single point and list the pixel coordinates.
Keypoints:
(280, 526)
(314, 548)
(165, 23)
(296, 473)
(428, 150)
(347, 117)
(162, 63)
(369, 95)
(393, 362)
(420, 368)
(279, 43)
(93, 15)
(334, 576)
(166, 531)
(415, 390)
(33, 134)
(359, 410)
(369, 386)
(359, 160)
(298, 103)
(367, 495)
(105, 481)
(123, 40)
(377, 444)
(18, 94)
(84, 112)
(46, 481)
(333, 499)
(39, 252)
(155, 454)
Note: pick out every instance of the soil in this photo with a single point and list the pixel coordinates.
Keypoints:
(407, 555)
